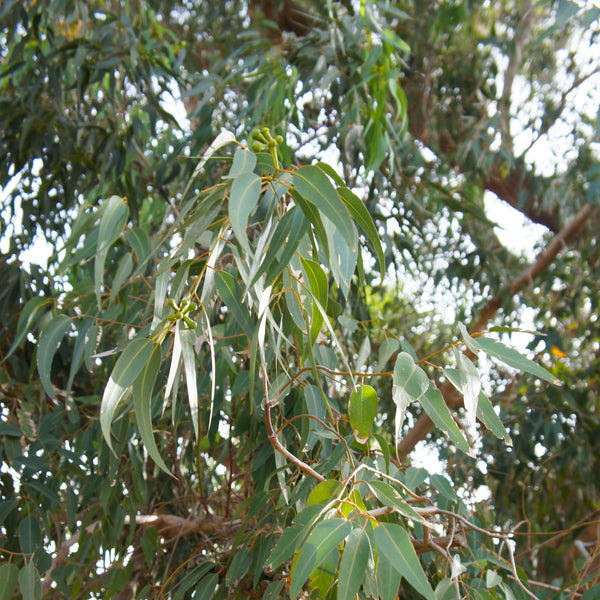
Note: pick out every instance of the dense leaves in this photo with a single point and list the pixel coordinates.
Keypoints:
(213, 382)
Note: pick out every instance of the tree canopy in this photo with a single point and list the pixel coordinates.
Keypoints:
(273, 282)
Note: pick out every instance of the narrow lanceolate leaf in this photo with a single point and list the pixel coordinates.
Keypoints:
(388, 579)
(510, 356)
(9, 573)
(362, 409)
(315, 187)
(437, 410)
(232, 294)
(187, 339)
(326, 536)
(392, 541)
(244, 195)
(143, 388)
(409, 383)
(471, 386)
(29, 582)
(50, 339)
(388, 496)
(361, 215)
(353, 564)
(31, 312)
(112, 224)
(130, 364)
(487, 415)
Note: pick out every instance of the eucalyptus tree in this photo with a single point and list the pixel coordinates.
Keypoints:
(251, 315)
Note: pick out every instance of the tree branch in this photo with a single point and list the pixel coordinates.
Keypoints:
(451, 396)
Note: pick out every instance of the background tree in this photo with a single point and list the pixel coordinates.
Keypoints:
(245, 327)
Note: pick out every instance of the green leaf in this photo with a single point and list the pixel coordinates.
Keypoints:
(143, 388)
(487, 415)
(389, 496)
(244, 161)
(29, 582)
(325, 537)
(273, 591)
(444, 487)
(409, 383)
(112, 224)
(317, 280)
(437, 410)
(187, 338)
(123, 272)
(342, 258)
(388, 579)
(387, 348)
(509, 356)
(9, 574)
(287, 545)
(31, 312)
(244, 195)
(470, 385)
(232, 295)
(362, 410)
(30, 535)
(315, 187)
(192, 579)
(361, 215)
(206, 587)
(394, 543)
(130, 364)
(51, 336)
(353, 564)
(139, 242)
(313, 216)
(324, 492)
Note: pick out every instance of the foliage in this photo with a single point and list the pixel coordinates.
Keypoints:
(214, 386)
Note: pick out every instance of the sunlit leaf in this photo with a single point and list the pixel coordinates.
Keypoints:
(134, 358)
(487, 415)
(244, 195)
(143, 389)
(362, 410)
(392, 541)
(315, 187)
(326, 536)
(434, 405)
(353, 564)
(409, 383)
(388, 496)
(113, 221)
(510, 356)
(187, 338)
(324, 492)
(470, 385)
(244, 161)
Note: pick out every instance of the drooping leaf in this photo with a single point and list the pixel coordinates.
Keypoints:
(361, 215)
(394, 542)
(130, 364)
(9, 574)
(362, 410)
(323, 539)
(324, 492)
(315, 187)
(244, 161)
(470, 385)
(112, 224)
(244, 195)
(487, 415)
(187, 339)
(139, 242)
(388, 496)
(409, 383)
(232, 294)
(30, 535)
(143, 389)
(510, 356)
(434, 405)
(51, 336)
(206, 587)
(29, 582)
(388, 579)
(387, 348)
(30, 314)
(353, 564)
